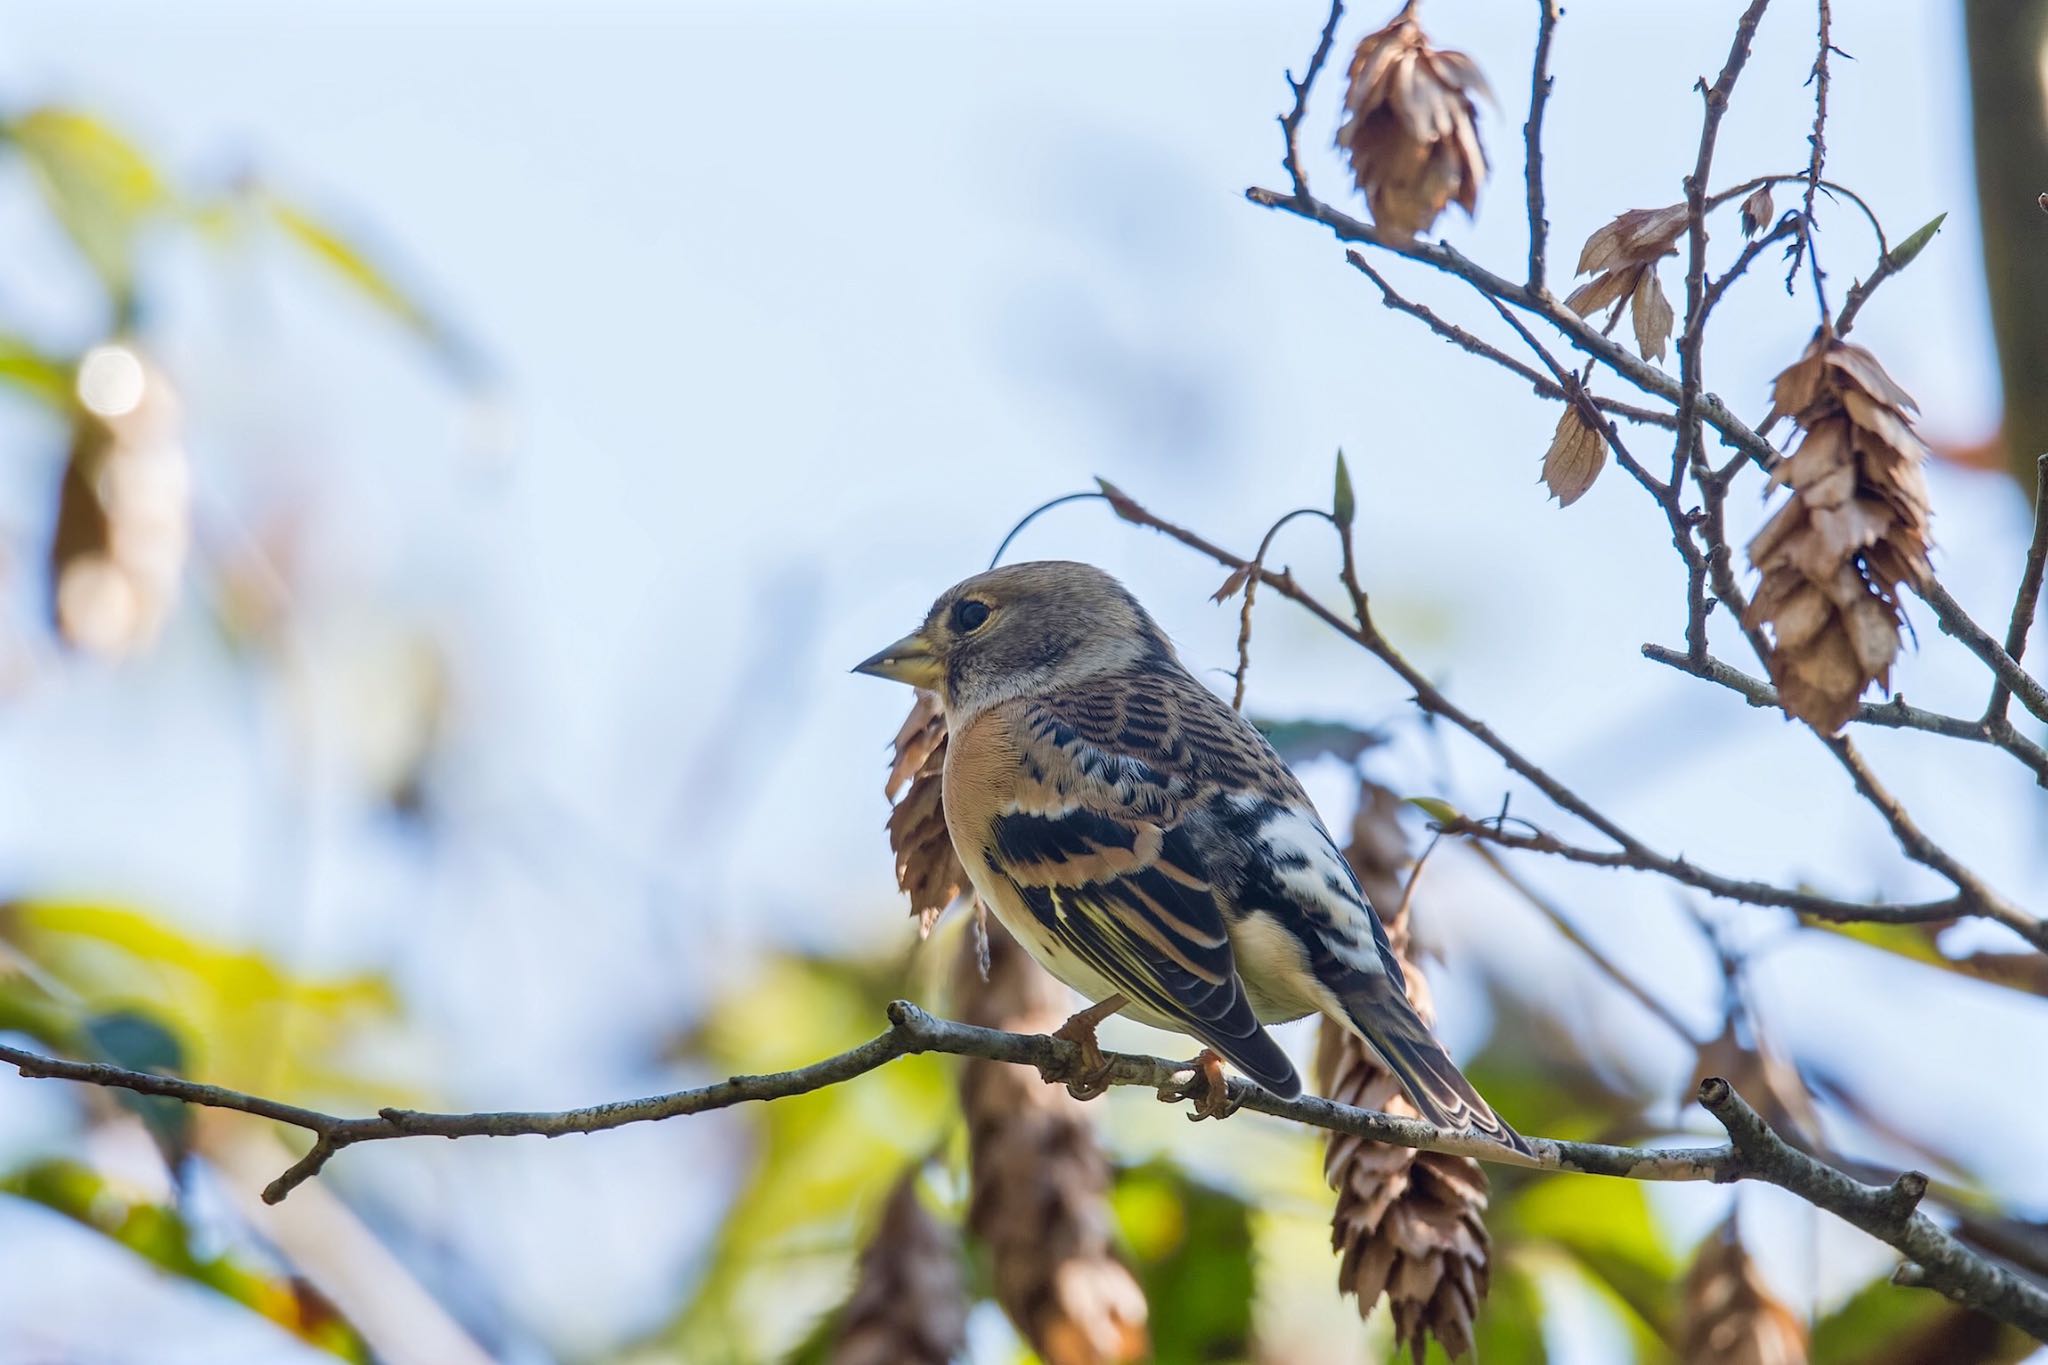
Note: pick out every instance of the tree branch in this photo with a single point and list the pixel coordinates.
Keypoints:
(1892, 715)
(1753, 1152)
(1290, 122)
(2028, 598)
(1540, 81)
(1632, 852)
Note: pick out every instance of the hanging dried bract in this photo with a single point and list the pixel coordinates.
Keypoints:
(1758, 212)
(926, 866)
(1408, 127)
(1039, 1181)
(1730, 1315)
(124, 509)
(1575, 458)
(909, 1301)
(1409, 1225)
(1622, 259)
(1854, 530)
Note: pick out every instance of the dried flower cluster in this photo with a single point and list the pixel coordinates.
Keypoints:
(1622, 259)
(1855, 529)
(124, 509)
(1730, 1316)
(1409, 1225)
(926, 866)
(1408, 127)
(909, 1302)
(1039, 1181)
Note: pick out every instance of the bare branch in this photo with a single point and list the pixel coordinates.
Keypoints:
(1540, 81)
(1817, 141)
(1290, 122)
(1753, 1151)
(1544, 385)
(1972, 897)
(1887, 1212)
(1892, 715)
(2028, 598)
(1692, 339)
(1949, 614)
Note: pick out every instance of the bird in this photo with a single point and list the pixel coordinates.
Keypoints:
(1145, 843)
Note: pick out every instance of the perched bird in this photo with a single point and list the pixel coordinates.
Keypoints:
(1143, 841)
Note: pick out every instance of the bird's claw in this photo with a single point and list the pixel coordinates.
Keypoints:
(1089, 1078)
(1206, 1088)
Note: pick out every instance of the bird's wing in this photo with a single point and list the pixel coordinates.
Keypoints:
(1096, 843)
(1247, 822)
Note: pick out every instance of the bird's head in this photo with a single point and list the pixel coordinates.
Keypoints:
(1018, 631)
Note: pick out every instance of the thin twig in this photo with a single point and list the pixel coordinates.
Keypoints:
(1949, 614)
(1630, 851)
(2029, 596)
(1817, 142)
(1251, 587)
(1290, 122)
(1692, 339)
(1540, 81)
(1543, 385)
(1543, 906)
(1892, 715)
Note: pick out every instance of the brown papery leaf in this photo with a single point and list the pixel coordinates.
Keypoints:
(1038, 1180)
(1232, 585)
(927, 868)
(909, 1301)
(1408, 127)
(1650, 311)
(1409, 1226)
(1622, 259)
(1835, 555)
(123, 509)
(1730, 1315)
(1758, 212)
(1576, 456)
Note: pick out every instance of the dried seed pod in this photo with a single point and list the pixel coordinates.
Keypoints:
(1408, 127)
(124, 508)
(1039, 1181)
(1731, 1316)
(1855, 529)
(1408, 1225)
(927, 868)
(909, 1301)
(1622, 259)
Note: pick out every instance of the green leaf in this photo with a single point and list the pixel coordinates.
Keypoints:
(1882, 1322)
(1902, 255)
(101, 188)
(161, 1236)
(39, 375)
(1443, 812)
(1343, 504)
(359, 269)
(1910, 941)
(1304, 741)
(1509, 1328)
(1191, 1247)
(1605, 1226)
(131, 1039)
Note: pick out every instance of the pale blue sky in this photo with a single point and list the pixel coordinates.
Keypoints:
(794, 308)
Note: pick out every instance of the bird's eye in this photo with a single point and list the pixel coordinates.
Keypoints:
(969, 615)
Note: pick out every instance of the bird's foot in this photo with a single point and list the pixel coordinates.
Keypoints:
(1090, 1076)
(1206, 1088)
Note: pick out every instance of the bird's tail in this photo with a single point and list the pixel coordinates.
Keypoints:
(1379, 1012)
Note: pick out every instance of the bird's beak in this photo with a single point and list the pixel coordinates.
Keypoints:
(909, 660)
